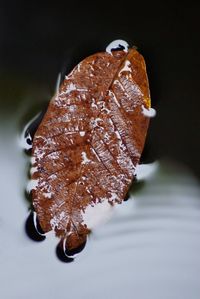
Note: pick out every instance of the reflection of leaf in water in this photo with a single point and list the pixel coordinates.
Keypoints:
(89, 142)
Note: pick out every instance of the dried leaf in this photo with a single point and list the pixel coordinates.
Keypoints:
(89, 142)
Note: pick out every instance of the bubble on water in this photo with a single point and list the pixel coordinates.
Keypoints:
(117, 44)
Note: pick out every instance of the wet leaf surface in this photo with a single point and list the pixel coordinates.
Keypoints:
(89, 142)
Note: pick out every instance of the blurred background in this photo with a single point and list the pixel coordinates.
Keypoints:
(39, 41)
(149, 249)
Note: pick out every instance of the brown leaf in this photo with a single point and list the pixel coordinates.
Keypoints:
(89, 142)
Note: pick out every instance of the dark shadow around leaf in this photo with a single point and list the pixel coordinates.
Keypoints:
(33, 229)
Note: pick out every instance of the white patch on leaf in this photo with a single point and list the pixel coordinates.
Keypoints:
(85, 158)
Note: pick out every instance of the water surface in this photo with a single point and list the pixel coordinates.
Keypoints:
(148, 249)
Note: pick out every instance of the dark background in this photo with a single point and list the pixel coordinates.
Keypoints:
(38, 40)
